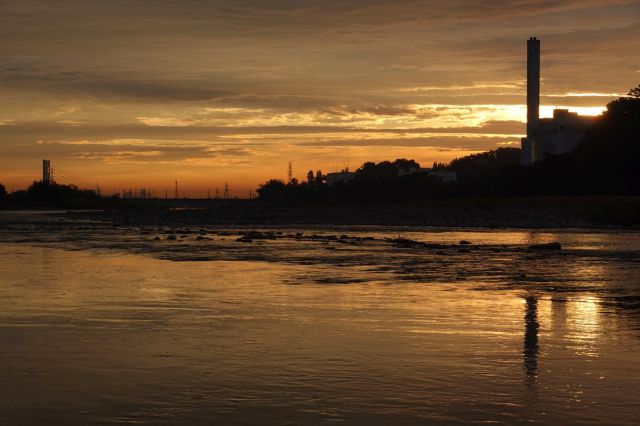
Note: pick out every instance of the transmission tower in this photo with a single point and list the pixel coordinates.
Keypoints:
(290, 173)
(226, 191)
(176, 190)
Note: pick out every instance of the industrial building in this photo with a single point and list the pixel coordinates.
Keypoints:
(547, 136)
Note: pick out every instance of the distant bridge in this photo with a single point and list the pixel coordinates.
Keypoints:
(22, 179)
(25, 177)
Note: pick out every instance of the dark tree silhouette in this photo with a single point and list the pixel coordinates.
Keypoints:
(272, 190)
(385, 169)
(484, 164)
(3, 195)
(52, 195)
(608, 159)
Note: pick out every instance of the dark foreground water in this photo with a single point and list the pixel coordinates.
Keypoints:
(100, 324)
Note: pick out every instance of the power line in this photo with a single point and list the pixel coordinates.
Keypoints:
(74, 177)
(79, 182)
(66, 178)
(29, 174)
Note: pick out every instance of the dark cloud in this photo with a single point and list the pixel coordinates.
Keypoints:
(84, 84)
(122, 151)
(449, 142)
(283, 15)
(58, 131)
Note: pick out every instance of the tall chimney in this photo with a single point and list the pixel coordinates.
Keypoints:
(533, 85)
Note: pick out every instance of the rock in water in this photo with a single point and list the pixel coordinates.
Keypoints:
(547, 246)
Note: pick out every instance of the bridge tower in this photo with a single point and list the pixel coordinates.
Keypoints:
(47, 176)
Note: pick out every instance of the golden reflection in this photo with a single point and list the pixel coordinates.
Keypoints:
(545, 312)
(531, 328)
(583, 325)
(558, 316)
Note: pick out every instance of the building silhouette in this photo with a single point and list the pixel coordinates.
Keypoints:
(547, 136)
(343, 176)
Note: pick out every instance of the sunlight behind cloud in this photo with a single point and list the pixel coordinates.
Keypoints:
(547, 110)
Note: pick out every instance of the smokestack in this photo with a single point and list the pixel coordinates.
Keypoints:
(533, 85)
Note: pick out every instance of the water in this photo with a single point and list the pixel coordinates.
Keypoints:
(108, 325)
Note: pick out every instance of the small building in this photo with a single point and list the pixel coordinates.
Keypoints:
(339, 177)
(404, 171)
(443, 175)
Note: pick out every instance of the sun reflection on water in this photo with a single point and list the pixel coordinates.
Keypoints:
(583, 325)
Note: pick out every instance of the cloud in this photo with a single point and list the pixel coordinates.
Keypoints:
(88, 133)
(97, 86)
(447, 142)
(119, 151)
(254, 83)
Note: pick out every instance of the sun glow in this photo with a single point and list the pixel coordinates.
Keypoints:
(546, 111)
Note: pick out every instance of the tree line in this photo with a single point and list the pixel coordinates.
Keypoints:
(606, 162)
(46, 195)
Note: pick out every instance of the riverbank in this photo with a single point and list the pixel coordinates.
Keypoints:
(531, 212)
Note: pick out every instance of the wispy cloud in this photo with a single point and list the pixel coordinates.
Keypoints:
(122, 88)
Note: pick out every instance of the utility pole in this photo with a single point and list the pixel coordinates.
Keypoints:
(176, 191)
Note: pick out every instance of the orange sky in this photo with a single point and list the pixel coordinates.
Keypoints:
(230, 91)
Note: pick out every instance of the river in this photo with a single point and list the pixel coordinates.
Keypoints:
(102, 324)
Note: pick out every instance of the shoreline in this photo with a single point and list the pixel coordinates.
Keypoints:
(607, 213)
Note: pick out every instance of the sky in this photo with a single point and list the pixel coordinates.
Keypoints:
(141, 93)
